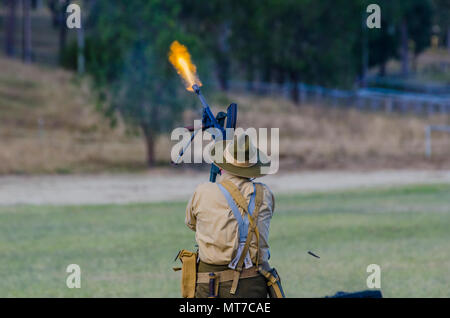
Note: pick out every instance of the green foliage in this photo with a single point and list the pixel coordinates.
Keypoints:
(127, 55)
(146, 100)
(68, 57)
(308, 41)
(419, 16)
(316, 42)
(442, 15)
(384, 42)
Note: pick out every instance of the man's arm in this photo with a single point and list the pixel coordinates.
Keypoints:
(190, 219)
(270, 199)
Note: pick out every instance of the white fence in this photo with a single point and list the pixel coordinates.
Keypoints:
(371, 99)
(428, 130)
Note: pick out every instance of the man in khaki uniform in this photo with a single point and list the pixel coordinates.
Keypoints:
(232, 241)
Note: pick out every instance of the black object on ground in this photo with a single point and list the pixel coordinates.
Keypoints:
(359, 294)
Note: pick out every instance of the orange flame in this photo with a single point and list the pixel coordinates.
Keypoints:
(181, 60)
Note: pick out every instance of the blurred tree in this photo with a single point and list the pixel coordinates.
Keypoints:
(383, 42)
(126, 52)
(419, 17)
(324, 42)
(58, 10)
(10, 28)
(402, 23)
(311, 41)
(36, 4)
(26, 31)
(248, 44)
(413, 18)
(211, 21)
(442, 19)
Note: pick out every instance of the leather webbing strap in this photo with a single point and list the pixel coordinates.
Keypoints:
(273, 282)
(188, 274)
(258, 202)
(226, 275)
(243, 222)
(253, 228)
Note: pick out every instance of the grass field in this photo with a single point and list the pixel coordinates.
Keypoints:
(128, 250)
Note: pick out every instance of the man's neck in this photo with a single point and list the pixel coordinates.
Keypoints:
(228, 176)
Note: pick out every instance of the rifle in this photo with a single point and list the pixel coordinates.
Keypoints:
(210, 121)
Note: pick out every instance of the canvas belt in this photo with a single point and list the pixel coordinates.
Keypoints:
(227, 275)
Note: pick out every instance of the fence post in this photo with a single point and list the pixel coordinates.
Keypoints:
(417, 107)
(388, 105)
(404, 105)
(41, 129)
(428, 141)
(430, 109)
(301, 87)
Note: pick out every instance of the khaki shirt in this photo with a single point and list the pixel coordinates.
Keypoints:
(216, 229)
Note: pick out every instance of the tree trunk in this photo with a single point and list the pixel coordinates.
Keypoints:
(294, 89)
(37, 4)
(223, 70)
(249, 75)
(80, 48)
(149, 143)
(222, 56)
(382, 69)
(62, 28)
(279, 76)
(448, 39)
(53, 6)
(10, 28)
(404, 47)
(365, 53)
(414, 62)
(26, 31)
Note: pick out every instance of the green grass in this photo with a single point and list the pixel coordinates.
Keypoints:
(128, 250)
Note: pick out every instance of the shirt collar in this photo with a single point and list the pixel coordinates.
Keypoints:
(237, 180)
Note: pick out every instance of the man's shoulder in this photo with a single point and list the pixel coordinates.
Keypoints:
(209, 188)
(265, 187)
(268, 196)
(208, 193)
(206, 187)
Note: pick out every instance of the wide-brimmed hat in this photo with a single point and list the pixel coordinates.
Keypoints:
(239, 157)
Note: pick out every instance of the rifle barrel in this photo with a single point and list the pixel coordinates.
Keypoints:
(199, 94)
(207, 110)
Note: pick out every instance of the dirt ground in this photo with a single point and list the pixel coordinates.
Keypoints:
(160, 185)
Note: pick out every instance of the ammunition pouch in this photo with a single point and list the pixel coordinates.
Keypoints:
(273, 280)
(188, 272)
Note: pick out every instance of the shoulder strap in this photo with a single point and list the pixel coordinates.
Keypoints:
(259, 197)
(242, 223)
(237, 196)
(229, 189)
